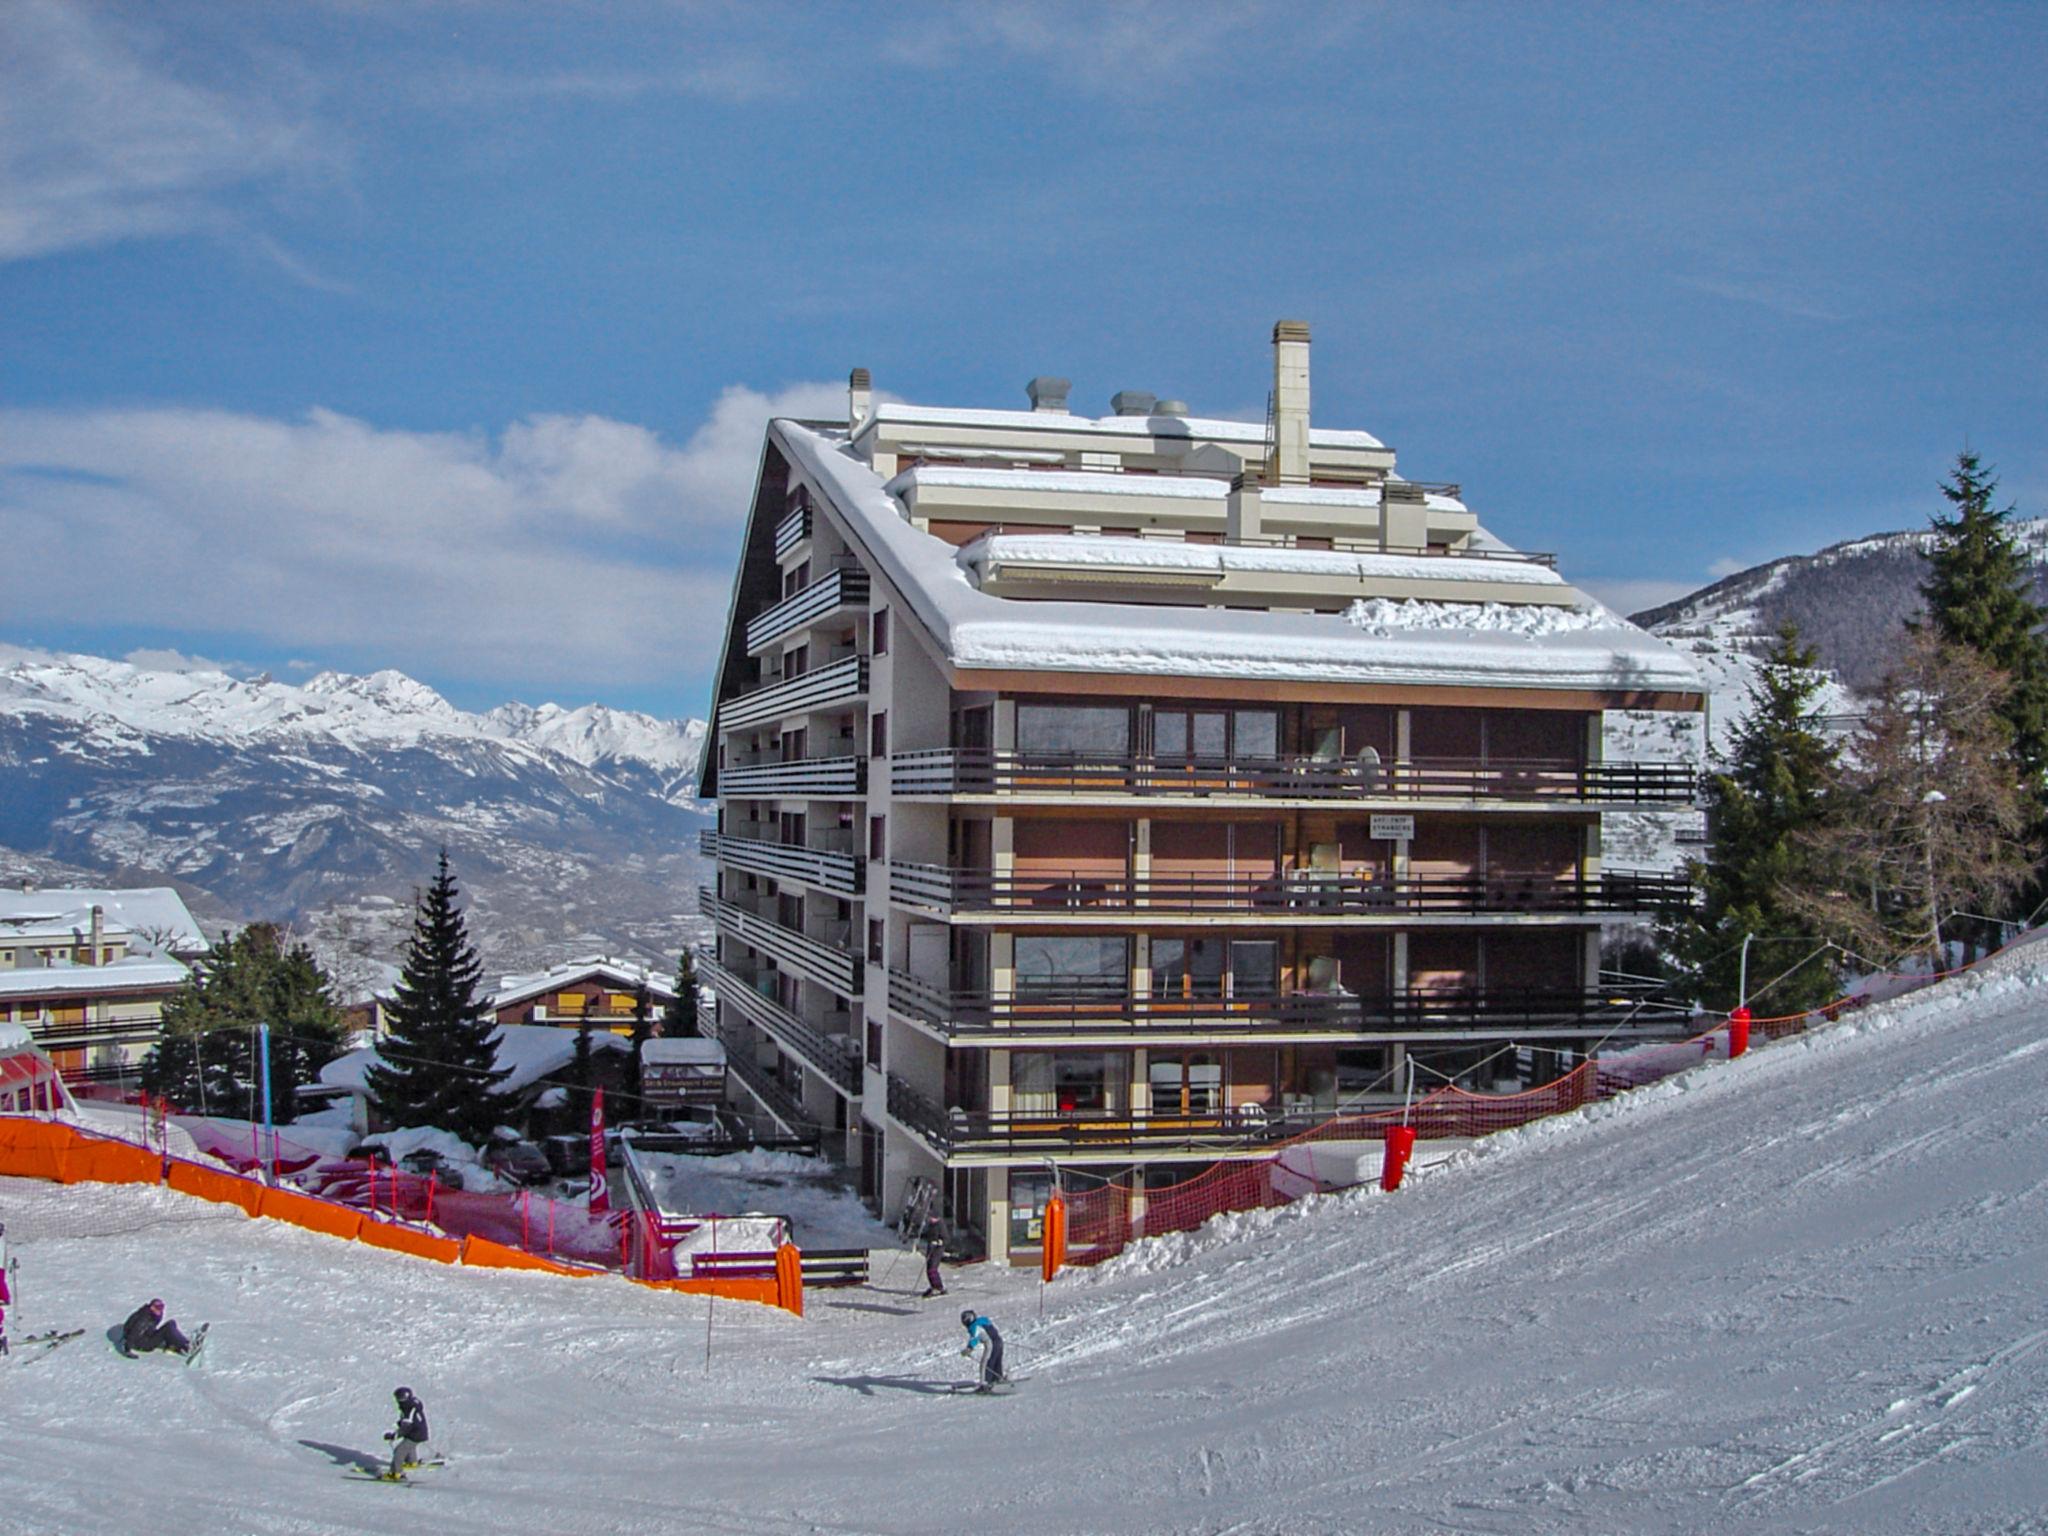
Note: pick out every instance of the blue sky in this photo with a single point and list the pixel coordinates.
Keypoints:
(439, 335)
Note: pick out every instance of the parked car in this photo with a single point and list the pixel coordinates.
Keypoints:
(518, 1162)
(568, 1155)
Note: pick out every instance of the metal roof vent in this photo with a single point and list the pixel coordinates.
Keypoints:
(1048, 393)
(1172, 408)
(1133, 402)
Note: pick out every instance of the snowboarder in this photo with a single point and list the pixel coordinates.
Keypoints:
(981, 1330)
(147, 1328)
(409, 1440)
(934, 1245)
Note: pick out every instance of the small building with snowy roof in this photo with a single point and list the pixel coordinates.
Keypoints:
(1133, 792)
(597, 990)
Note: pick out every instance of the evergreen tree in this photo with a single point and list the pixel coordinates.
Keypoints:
(1979, 593)
(582, 1075)
(679, 1018)
(1773, 792)
(1931, 816)
(439, 1064)
(206, 1060)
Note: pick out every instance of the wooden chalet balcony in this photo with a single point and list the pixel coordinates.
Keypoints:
(795, 951)
(1064, 1013)
(949, 772)
(841, 589)
(794, 528)
(1028, 1133)
(837, 682)
(842, 778)
(833, 1057)
(841, 874)
(1292, 895)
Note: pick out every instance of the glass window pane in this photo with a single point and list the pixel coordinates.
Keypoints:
(1254, 968)
(1072, 960)
(1073, 728)
(1211, 734)
(1169, 967)
(1258, 733)
(1205, 967)
(1170, 735)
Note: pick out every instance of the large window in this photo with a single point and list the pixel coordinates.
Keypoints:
(1072, 963)
(1206, 735)
(1066, 1082)
(1074, 728)
(1206, 968)
(1186, 1084)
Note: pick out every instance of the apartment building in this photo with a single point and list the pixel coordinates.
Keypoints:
(1118, 793)
(87, 973)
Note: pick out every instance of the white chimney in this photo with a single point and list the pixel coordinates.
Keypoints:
(99, 934)
(860, 396)
(1290, 403)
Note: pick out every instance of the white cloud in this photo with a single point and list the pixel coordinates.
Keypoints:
(1121, 47)
(100, 142)
(567, 550)
(165, 660)
(1728, 565)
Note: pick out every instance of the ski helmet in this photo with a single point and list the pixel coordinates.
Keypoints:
(967, 1317)
(403, 1394)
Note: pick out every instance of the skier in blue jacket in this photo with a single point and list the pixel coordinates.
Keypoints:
(980, 1330)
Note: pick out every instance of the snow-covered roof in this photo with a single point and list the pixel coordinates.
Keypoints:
(1209, 427)
(619, 973)
(976, 629)
(153, 913)
(1223, 559)
(14, 1037)
(684, 1050)
(530, 1051)
(1079, 482)
(136, 973)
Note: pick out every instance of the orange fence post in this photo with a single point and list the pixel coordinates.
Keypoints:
(1738, 1032)
(1054, 1256)
(789, 1279)
(1400, 1144)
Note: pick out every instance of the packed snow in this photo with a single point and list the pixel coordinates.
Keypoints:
(1803, 1291)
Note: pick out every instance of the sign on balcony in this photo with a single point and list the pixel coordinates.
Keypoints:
(1393, 828)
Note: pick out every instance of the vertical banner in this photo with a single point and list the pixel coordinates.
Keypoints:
(600, 1192)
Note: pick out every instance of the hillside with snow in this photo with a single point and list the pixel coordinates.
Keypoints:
(324, 802)
(1805, 1291)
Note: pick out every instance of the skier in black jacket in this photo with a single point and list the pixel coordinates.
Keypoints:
(409, 1440)
(147, 1328)
(934, 1244)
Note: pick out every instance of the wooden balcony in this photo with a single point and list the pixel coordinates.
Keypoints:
(836, 1058)
(840, 874)
(794, 951)
(770, 1094)
(952, 1132)
(820, 778)
(951, 773)
(838, 682)
(1292, 896)
(833, 593)
(1081, 1011)
(794, 528)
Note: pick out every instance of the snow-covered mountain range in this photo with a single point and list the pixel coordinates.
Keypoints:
(324, 802)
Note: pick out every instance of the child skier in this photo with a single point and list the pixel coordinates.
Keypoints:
(934, 1244)
(147, 1328)
(409, 1440)
(981, 1330)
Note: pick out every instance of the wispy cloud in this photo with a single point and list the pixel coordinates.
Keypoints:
(561, 551)
(1765, 295)
(102, 141)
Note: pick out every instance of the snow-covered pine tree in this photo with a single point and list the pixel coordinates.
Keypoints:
(1773, 792)
(206, 1059)
(1979, 593)
(679, 1018)
(439, 1064)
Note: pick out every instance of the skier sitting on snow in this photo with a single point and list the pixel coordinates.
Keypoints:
(409, 1440)
(981, 1330)
(147, 1328)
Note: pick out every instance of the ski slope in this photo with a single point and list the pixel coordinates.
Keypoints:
(1805, 1291)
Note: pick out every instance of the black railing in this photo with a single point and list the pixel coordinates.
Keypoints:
(842, 874)
(953, 1130)
(827, 595)
(835, 777)
(836, 1058)
(832, 683)
(827, 965)
(794, 528)
(763, 1085)
(1108, 1008)
(980, 771)
(1293, 893)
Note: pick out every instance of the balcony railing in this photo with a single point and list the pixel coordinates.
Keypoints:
(795, 951)
(1101, 1010)
(776, 1099)
(974, 771)
(840, 874)
(792, 530)
(834, 683)
(822, 777)
(1293, 894)
(833, 1057)
(827, 595)
(1022, 1132)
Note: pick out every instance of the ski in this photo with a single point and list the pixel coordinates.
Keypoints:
(36, 1345)
(198, 1343)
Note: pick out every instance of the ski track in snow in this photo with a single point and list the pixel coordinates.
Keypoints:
(1799, 1292)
